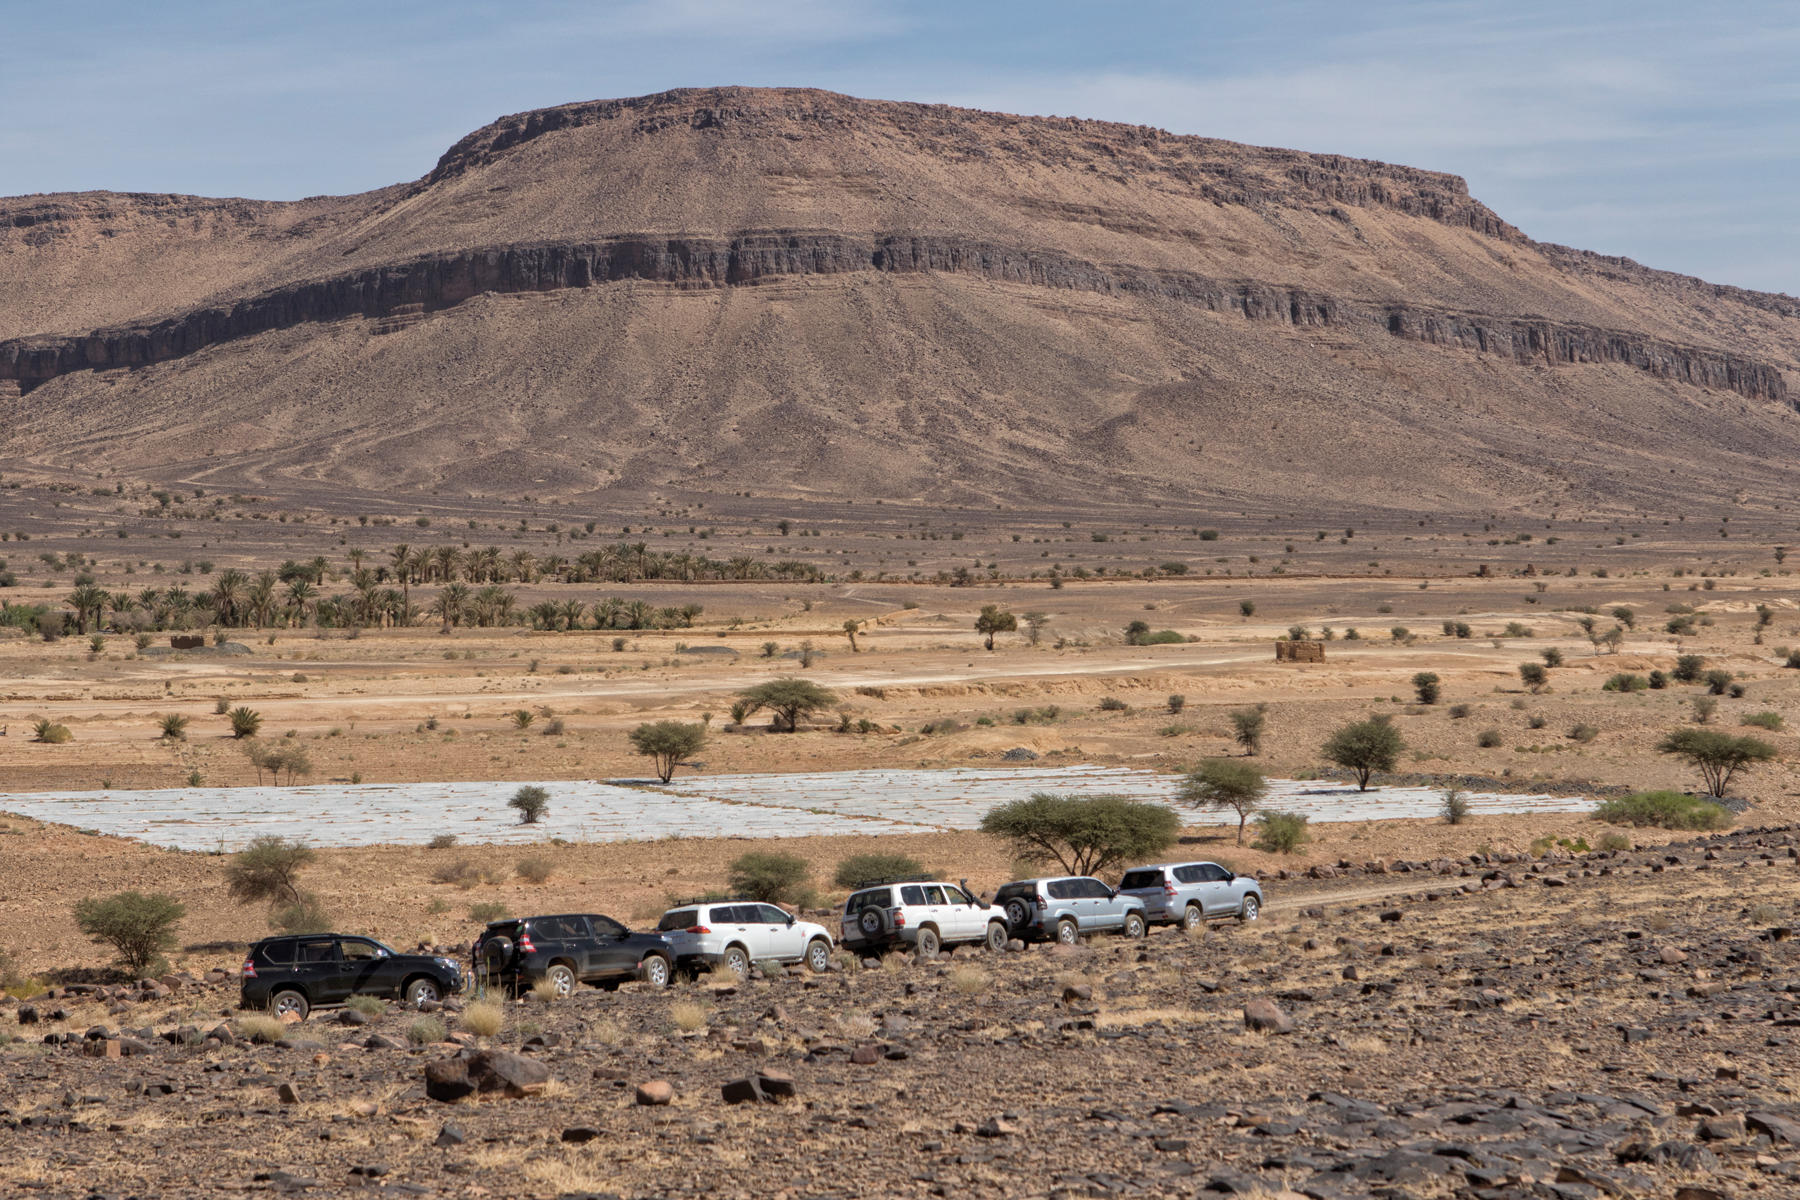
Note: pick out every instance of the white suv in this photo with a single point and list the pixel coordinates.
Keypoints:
(923, 914)
(740, 932)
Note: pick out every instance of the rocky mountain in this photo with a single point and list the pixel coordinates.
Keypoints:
(815, 296)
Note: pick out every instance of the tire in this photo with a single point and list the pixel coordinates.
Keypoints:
(1251, 909)
(1192, 917)
(872, 922)
(1017, 913)
(928, 942)
(656, 971)
(1068, 933)
(497, 954)
(997, 936)
(287, 1000)
(562, 977)
(738, 960)
(422, 991)
(1134, 925)
(818, 956)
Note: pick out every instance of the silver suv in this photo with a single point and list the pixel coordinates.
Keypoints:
(1192, 893)
(1068, 908)
(925, 914)
(740, 932)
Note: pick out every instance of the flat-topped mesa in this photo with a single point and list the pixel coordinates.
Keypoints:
(442, 281)
(1209, 168)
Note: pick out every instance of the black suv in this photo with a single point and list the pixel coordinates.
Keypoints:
(570, 949)
(299, 972)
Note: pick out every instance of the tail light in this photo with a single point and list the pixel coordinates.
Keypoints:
(699, 929)
(249, 969)
(1168, 887)
(899, 918)
(525, 943)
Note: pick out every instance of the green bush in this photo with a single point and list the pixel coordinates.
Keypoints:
(308, 914)
(1716, 755)
(1177, 702)
(1220, 783)
(1665, 810)
(1247, 726)
(1533, 676)
(487, 910)
(245, 722)
(1624, 681)
(1459, 711)
(668, 743)
(1552, 656)
(174, 727)
(1764, 720)
(1614, 841)
(1281, 833)
(1426, 687)
(1658, 680)
(139, 927)
(50, 733)
(1365, 747)
(1487, 739)
(1083, 834)
(1455, 808)
(1688, 668)
(1113, 704)
(268, 869)
(770, 876)
(1584, 733)
(425, 1031)
(1716, 681)
(532, 802)
(862, 868)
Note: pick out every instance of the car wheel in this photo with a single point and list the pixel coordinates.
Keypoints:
(997, 936)
(738, 960)
(562, 978)
(871, 922)
(818, 956)
(1134, 925)
(928, 942)
(1251, 910)
(422, 991)
(1017, 913)
(1192, 918)
(656, 971)
(289, 1001)
(1067, 932)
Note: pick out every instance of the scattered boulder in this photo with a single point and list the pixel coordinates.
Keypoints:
(1265, 1016)
(655, 1092)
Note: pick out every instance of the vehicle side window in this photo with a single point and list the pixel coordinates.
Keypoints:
(360, 950)
(606, 927)
(1143, 879)
(771, 915)
(317, 952)
(1062, 889)
(935, 895)
(1215, 873)
(956, 895)
(912, 893)
(1190, 874)
(874, 897)
(1093, 889)
(552, 929)
(681, 918)
(276, 954)
(1010, 890)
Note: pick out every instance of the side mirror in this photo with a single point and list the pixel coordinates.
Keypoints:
(791, 919)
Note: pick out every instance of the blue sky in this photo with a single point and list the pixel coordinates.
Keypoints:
(1667, 132)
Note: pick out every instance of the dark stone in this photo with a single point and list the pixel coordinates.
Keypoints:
(448, 1080)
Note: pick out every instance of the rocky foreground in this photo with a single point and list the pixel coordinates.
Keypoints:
(1617, 1024)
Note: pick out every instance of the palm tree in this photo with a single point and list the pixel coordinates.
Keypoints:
(319, 569)
(451, 603)
(301, 594)
(228, 596)
(87, 601)
(261, 599)
(524, 565)
(448, 558)
(639, 615)
(356, 554)
(607, 612)
(571, 613)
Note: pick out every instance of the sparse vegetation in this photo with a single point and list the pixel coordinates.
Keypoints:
(532, 802)
(668, 744)
(1365, 747)
(788, 698)
(1220, 784)
(1280, 832)
(859, 869)
(770, 876)
(1718, 756)
(1665, 810)
(1247, 726)
(1455, 808)
(1426, 687)
(139, 927)
(1082, 834)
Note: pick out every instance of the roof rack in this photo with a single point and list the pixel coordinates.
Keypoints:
(887, 879)
(712, 900)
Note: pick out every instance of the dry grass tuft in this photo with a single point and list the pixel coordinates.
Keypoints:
(544, 992)
(687, 1015)
(259, 1027)
(484, 1018)
(970, 981)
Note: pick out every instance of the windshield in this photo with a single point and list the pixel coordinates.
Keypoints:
(1149, 878)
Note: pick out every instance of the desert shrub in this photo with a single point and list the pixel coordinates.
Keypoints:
(1516, 630)
(1736, 691)
(483, 1018)
(1036, 716)
(1083, 834)
(1247, 726)
(1716, 681)
(687, 1015)
(1584, 733)
(668, 744)
(1487, 739)
(555, 727)
(535, 869)
(770, 876)
(1625, 681)
(463, 873)
(1176, 703)
(1280, 833)
(941, 726)
(487, 910)
(1792, 659)
(1764, 720)
(442, 841)
(268, 870)
(1665, 810)
(859, 869)
(532, 802)
(425, 1031)
(368, 1006)
(260, 1028)
(173, 726)
(1704, 707)
(1535, 722)
(1400, 633)
(1455, 808)
(221, 706)
(1459, 711)
(1688, 668)
(138, 927)
(307, 914)
(50, 733)
(788, 698)
(1113, 704)
(1552, 656)
(1658, 680)
(1365, 747)
(1246, 608)
(1533, 676)
(522, 718)
(245, 722)
(1614, 841)
(1427, 687)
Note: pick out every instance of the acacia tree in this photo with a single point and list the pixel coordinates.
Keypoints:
(1716, 755)
(789, 698)
(268, 869)
(1219, 784)
(139, 927)
(851, 625)
(1083, 834)
(1365, 747)
(1034, 626)
(668, 742)
(994, 619)
(1247, 725)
